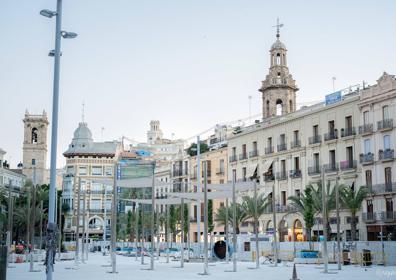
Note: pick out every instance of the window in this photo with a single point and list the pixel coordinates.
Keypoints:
(34, 135)
(246, 246)
(367, 146)
(389, 205)
(82, 170)
(332, 159)
(33, 161)
(221, 166)
(97, 170)
(290, 105)
(295, 136)
(278, 59)
(369, 179)
(109, 170)
(70, 170)
(268, 108)
(388, 177)
(316, 160)
(366, 117)
(385, 112)
(282, 139)
(331, 127)
(254, 146)
(283, 198)
(244, 150)
(233, 151)
(269, 142)
(349, 154)
(283, 166)
(348, 122)
(244, 174)
(370, 208)
(296, 163)
(279, 107)
(95, 187)
(298, 193)
(108, 204)
(95, 204)
(386, 142)
(315, 129)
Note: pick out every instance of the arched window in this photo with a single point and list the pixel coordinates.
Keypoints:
(278, 59)
(385, 112)
(267, 108)
(34, 135)
(278, 78)
(279, 107)
(290, 106)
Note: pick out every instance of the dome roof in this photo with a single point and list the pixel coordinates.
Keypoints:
(278, 45)
(82, 132)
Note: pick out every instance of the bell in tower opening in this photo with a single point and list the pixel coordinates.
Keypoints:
(278, 89)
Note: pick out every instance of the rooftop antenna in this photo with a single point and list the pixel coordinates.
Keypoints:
(101, 132)
(334, 78)
(83, 111)
(278, 27)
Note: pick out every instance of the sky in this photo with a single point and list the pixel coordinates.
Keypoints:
(190, 64)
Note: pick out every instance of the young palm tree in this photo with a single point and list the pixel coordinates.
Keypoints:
(249, 207)
(353, 201)
(221, 216)
(317, 200)
(304, 204)
(240, 216)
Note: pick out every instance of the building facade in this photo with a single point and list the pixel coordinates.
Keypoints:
(292, 148)
(377, 109)
(91, 165)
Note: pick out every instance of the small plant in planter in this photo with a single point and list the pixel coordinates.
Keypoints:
(19, 249)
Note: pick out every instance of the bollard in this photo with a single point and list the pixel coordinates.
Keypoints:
(3, 262)
(294, 276)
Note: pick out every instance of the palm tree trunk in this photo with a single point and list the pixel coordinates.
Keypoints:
(308, 232)
(353, 226)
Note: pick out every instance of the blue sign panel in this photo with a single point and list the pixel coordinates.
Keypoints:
(333, 98)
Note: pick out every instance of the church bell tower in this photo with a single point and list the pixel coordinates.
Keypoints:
(35, 147)
(278, 89)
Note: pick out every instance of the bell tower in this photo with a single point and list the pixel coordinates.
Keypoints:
(278, 89)
(35, 147)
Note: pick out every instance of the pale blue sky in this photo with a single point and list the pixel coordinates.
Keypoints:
(189, 64)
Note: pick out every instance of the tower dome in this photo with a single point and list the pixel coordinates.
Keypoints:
(82, 137)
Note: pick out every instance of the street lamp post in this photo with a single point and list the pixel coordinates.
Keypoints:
(51, 226)
(324, 213)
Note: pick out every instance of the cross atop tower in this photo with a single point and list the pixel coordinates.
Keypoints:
(83, 111)
(278, 27)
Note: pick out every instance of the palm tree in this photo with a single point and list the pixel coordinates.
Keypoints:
(221, 216)
(317, 200)
(249, 208)
(353, 201)
(240, 216)
(304, 204)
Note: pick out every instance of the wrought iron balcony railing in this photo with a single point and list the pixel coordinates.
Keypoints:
(332, 135)
(254, 153)
(269, 150)
(348, 164)
(316, 139)
(348, 131)
(295, 144)
(366, 158)
(366, 129)
(388, 154)
(385, 124)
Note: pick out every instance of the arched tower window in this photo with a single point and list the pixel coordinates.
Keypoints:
(278, 78)
(279, 107)
(34, 135)
(290, 106)
(278, 59)
(267, 108)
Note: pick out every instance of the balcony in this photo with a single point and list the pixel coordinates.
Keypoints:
(281, 176)
(367, 158)
(369, 217)
(366, 129)
(314, 170)
(295, 144)
(177, 173)
(390, 216)
(269, 177)
(316, 139)
(269, 150)
(386, 155)
(254, 153)
(347, 132)
(295, 173)
(220, 171)
(243, 156)
(331, 167)
(282, 147)
(233, 158)
(385, 124)
(348, 165)
(384, 188)
(332, 135)
(96, 210)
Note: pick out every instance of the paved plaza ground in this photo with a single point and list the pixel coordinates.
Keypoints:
(128, 268)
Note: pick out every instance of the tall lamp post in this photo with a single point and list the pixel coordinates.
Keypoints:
(51, 226)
